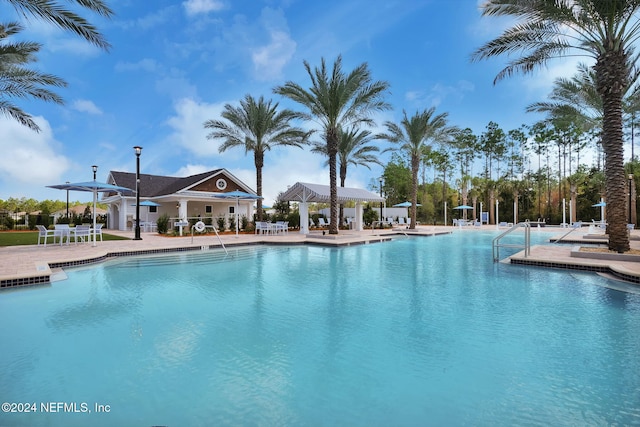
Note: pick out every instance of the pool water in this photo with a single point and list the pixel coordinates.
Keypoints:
(414, 332)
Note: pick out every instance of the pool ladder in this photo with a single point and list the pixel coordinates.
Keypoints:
(496, 245)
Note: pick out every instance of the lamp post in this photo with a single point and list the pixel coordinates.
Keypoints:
(67, 202)
(137, 150)
(95, 169)
(630, 186)
(380, 181)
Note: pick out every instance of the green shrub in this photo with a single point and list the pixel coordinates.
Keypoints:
(244, 222)
(163, 224)
(221, 221)
(232, 222)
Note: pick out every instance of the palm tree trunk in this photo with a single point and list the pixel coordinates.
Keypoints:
(415, 166)
(258, 158)
(343, 178)
(611, 71)
(332, 150)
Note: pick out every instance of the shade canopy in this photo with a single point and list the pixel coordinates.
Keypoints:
(405, 205)
(94, 187)
(148, 203)
(463, 207)
(238, 195)
(317, 193)
(600, 205)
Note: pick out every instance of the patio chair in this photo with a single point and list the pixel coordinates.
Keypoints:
(281, 226)
(311, 223)
(262, 227)
(99, 231)
(82, 232)
(322, 222)
(62, 231)
(44, 233)
(402, 221)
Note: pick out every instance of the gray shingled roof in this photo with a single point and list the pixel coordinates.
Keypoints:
(157, 185)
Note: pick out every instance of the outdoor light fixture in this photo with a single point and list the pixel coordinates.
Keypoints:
(95, 169)
(630, 183)
(380, 180)
(137, 150)
(67, 201)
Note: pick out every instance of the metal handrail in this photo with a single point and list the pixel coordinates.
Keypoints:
(527, 240)
(217, 235)
(573, 228)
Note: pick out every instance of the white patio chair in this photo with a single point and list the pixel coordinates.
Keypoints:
(82, 232)
(99, 231)
(322, 222)
(402, 221)
(262, 227)
(62, 231)
(44, 233)
(281, 226)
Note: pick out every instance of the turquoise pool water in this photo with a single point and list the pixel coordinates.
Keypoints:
(414, 332)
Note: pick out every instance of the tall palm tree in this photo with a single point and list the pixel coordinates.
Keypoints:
(355, 148)
(337, 100)
(54, 12)
(414, 134)
(605, 30)
(18, 81)
(256, 125)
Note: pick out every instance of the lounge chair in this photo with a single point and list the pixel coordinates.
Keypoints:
(402, 221)
(322, 222)
(281, 226)
(44, 233)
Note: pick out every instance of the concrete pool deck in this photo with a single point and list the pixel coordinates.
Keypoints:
(33, 264)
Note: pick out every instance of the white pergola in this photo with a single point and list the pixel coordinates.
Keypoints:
(306, 193)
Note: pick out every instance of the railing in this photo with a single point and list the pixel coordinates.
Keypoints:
(575, 226)
(496, 245)
(215, 230)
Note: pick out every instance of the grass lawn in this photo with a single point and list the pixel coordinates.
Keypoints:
(15, 238)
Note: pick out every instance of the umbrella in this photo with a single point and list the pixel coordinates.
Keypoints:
(463, 207)
(405, 205)
(238, 195)
(93, 187)
(148, 203)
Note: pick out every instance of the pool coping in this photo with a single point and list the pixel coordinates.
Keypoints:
(44, 270)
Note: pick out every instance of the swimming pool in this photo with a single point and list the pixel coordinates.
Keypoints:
(418, 331)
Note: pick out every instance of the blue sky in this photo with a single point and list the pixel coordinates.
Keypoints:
(174, 64)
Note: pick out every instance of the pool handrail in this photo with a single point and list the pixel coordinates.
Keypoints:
(217, 235)
(496, 245)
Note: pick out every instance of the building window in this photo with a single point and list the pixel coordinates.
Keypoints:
(232, 209)
(153, 209)
(221, 184)
(208, 209)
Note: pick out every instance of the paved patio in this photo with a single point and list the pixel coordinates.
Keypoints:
(25, 265)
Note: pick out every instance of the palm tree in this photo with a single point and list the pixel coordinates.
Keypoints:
(353, 148)
(17, 81)
(256, 125)
(337, 100)
(603, 30)
(414, 134)
(53, 12)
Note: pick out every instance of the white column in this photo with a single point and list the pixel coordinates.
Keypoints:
(497, 220)
(304, 217)
(564, 213)
(358, 215)
(445, 213)
(481, 214)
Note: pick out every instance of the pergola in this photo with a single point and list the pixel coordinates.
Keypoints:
(306, 193)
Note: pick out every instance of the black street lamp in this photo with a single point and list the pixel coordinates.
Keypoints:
(138, 150)
(95, 169)
(67, 202)
(630, 202)
(380, 180)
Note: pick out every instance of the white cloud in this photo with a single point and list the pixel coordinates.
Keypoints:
(188, 126)
(190, 169)
(269, 60)
(195, 7)
(30, 158)
(86, 106)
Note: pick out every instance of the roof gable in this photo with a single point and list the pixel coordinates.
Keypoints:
(305, 192)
